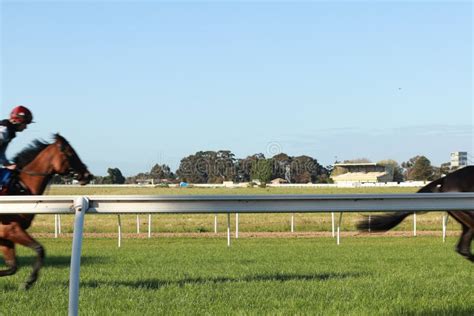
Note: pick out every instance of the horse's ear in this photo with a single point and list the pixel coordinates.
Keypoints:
(58, 138)
(60, 141)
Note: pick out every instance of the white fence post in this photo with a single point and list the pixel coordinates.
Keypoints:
(339, 227)
(138, 224)
(81, 204)
(332, 225)
(292, 222)
(236, 225)
(119, 232)
(55, 225)
(414, 224)
(228, 229)
(149, 225)
(215, 223)
(445, 224)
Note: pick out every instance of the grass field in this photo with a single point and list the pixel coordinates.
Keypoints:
(256, 276)
(117, 190)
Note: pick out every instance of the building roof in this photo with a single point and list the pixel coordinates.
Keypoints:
(355, 164)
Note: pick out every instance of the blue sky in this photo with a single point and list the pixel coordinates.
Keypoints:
(131, 84)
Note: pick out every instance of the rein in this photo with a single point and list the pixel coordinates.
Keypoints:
(32, 173)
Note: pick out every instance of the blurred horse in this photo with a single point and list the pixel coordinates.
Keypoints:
(36, 165)
(461, 180)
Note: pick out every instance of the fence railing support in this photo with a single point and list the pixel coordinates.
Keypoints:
(81, 205)
(339, 228)
(228, 229)
(215, 223)
(445, 224)
(119, 231)
(236, 225)
(292, 222)
(333, 225)
(138, 224)
(414, 224)
(149, 225)
(55, 225)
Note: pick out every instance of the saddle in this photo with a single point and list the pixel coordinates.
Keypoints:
(10, 184)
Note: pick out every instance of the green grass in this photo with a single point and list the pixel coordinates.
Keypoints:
(255, 276)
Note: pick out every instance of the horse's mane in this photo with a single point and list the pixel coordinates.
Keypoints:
(27, 155)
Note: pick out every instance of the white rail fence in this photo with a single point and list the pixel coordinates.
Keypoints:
(57, 226)
(80, 205)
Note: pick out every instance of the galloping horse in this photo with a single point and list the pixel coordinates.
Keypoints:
(36, 165)
(461, 180)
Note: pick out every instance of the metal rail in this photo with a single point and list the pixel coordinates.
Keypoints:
(281, 203)
(129, 204)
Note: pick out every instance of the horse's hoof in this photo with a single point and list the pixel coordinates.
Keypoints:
(25, 286)
(466, 254)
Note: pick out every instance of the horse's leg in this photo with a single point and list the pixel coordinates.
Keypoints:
(464, 245)
(19, 236)
(8, 249)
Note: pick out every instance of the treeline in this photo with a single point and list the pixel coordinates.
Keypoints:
(216, 167)
(220, 166)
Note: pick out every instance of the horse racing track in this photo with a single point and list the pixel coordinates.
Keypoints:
(365, 275)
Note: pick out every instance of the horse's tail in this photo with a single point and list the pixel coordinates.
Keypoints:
(388, 221)
(433, 187)
(380, 223)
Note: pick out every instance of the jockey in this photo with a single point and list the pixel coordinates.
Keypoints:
(20, 117)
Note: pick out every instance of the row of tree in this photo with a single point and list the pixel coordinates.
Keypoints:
(216, 167)
(219, 166)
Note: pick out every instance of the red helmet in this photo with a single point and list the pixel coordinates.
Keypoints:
(21, 114)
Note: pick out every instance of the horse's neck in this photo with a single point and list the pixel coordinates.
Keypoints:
(36, 175)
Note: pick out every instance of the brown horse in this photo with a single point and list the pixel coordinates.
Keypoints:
(461, 180)
(36, 165)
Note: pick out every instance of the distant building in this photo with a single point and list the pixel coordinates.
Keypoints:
(458, 159)
(278, 181)
(362, 172)
(144, 181)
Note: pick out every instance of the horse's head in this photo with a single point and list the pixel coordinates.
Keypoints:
(66, 161)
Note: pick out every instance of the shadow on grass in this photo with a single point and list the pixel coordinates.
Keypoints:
(60, 261)
(156, 284)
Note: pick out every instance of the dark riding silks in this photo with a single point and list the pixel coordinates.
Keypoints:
(5, 178)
